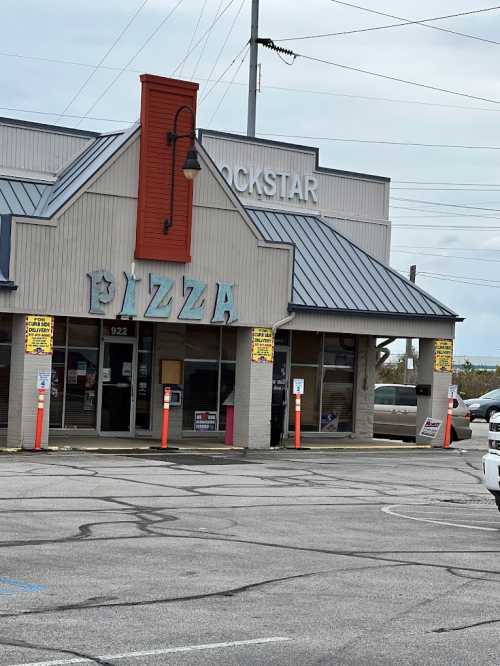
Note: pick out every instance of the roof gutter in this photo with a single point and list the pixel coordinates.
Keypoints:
(282, 322)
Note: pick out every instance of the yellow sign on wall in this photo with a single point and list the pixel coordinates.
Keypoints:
(38, 335)
(443, 356)
(262, 345)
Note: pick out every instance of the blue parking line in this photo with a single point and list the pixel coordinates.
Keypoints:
(12, 586)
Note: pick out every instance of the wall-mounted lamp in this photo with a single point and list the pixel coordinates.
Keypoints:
(191, 167)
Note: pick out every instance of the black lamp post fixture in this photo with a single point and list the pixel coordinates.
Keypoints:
(191, 166)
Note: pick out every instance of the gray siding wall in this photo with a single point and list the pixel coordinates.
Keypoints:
(364, 387)
(252, 396)
(376, 326)
(372, 237)
(37, 150)
(23, 392)
(50, 262)
(357, 202)
(436, 405)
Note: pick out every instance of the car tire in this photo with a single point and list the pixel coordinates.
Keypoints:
(453, 435)
(491, 412)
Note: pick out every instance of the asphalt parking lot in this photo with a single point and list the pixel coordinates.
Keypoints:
(386, 557)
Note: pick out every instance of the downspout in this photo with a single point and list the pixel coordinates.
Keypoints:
(282, 322)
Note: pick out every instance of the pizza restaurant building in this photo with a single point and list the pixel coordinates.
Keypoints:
(220, 265)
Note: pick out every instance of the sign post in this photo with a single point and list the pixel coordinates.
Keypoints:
(42, 386)
(166, 414)
(39, 419)
(298, 389)
(452, 393)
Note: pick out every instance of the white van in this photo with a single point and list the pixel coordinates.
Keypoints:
(491, 461)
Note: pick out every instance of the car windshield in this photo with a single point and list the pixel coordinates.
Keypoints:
(492, 395)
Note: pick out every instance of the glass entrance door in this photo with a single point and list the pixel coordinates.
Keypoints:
(117, 377)
(279, 395)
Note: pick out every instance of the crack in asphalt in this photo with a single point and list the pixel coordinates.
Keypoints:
(12, 642)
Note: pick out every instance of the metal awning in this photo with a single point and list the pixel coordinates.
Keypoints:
(333, 274)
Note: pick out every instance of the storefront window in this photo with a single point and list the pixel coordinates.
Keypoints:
(201, 380)
(336, 401)
(202, 342)
(81, 388)
(75, 363)
(327, 403)
(306, 347)
(310, 400)
(83, 333)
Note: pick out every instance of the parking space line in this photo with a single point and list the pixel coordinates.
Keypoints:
(390, 510)
(158, 652)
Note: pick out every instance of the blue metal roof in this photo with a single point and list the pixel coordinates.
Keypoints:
(333, 274)
(76, 174)
(19, 197)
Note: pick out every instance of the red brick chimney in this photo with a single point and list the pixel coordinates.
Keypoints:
(161, 99)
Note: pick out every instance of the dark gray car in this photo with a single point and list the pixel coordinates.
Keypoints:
(485, 406)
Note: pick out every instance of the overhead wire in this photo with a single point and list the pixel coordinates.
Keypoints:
(397, 79)
(385, 27)
(378, 141)
(219, 78)
(224, 43)
(264, 87)
(421, 24)
(204, 45)
(193, 35)
(216, 110)
(101, 61)
(445, 205)
(446, 256)
(209, 29)
(139, 50)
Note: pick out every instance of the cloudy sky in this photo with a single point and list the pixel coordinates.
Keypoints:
(82, 59)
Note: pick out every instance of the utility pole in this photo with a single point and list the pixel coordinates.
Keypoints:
(252, 75)
(409, 341)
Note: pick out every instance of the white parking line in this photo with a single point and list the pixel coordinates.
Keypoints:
(161, 651)
(390, 510)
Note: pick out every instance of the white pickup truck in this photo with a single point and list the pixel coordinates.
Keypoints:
(491, 461)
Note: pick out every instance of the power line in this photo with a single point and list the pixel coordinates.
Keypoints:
(440, 182)
(212, 25)
(247, 48)
(218, 80)
(473, 284)
(142, 47)
(447, 249)
(204, 46)
(73, 63)
(441, 214)
(395, 78)
(445, 189)
(379, 141)
(422, 24)
(94, 70)
(446, 205)
(447, 256)
(444, 227)
(460, 277)
(197, 25)
(224, 44)
(385, 27)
